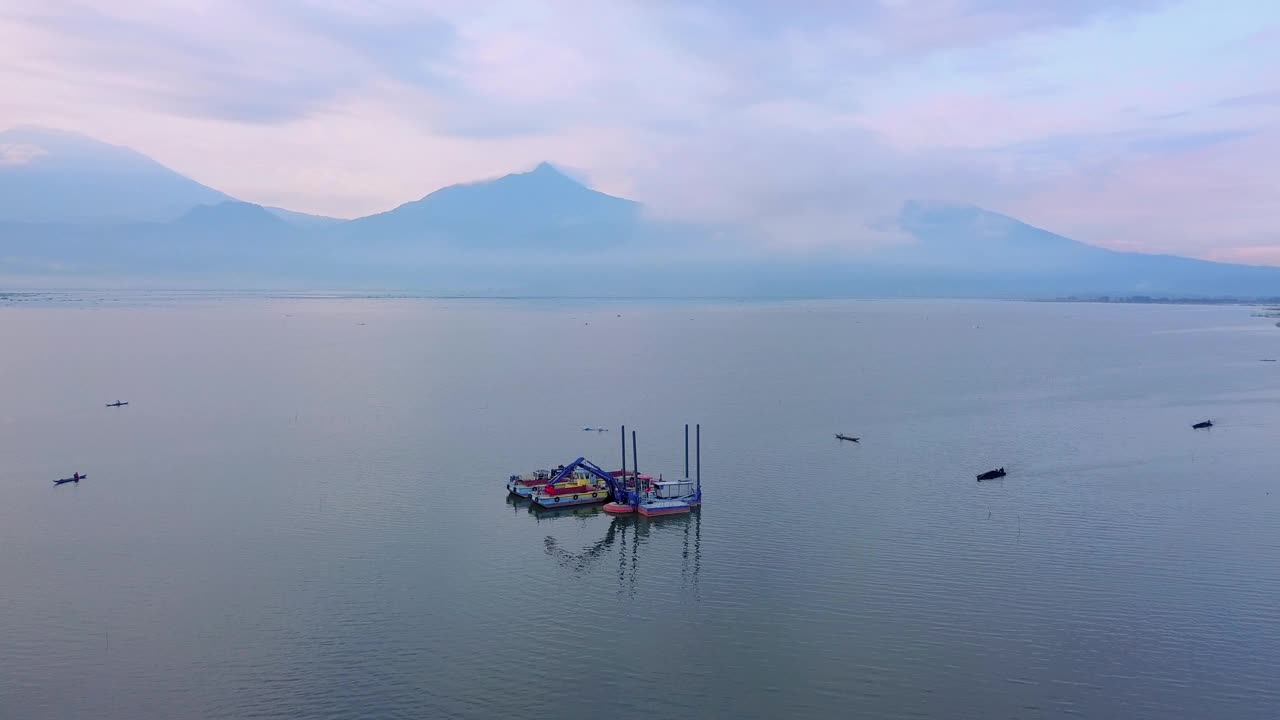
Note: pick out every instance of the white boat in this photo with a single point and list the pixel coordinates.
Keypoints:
(525, 485)
(669, 497)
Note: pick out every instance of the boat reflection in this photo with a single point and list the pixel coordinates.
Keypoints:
(624, 537)
(517, 503)
(526, 506)
(541, 513)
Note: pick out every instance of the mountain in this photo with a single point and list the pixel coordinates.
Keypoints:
(226, 240)
(969, 250)
(54, 176)
(542, 209)
(57, 176)
(303, 220)
(231, 216)
(73, 207)
(966, 238)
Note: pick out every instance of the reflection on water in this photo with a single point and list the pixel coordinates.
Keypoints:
(626, 536)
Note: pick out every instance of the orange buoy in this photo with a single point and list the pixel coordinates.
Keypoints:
(618, 508)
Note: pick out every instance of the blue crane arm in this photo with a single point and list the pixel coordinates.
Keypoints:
(615, 488)
(591, 467)
(567, 471)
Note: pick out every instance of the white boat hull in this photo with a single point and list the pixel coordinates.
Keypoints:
(523, 491)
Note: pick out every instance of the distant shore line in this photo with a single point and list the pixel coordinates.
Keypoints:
(1157, 300)
(1272, 303)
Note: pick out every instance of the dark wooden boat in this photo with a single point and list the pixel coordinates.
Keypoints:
(117, 404)
(76, 479)
(1202, 425)
(991, 474)
(842, 436)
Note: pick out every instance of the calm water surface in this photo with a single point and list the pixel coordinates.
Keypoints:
(301, 512)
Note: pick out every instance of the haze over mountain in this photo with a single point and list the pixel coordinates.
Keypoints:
(53, 176)
(76, 209)
(542, 208)
(57, 176)
(1020, 259)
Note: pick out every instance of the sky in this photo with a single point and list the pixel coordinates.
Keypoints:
(1148, 125)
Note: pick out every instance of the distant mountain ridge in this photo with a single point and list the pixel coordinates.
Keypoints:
(981, 243)
(231, 214)
(51, 175)
(55, 176)
(973, 238)
(539, 208)
(73, 207)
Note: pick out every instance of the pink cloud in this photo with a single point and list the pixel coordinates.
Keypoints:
(1257, 255)
(1213, 202)
(17, 154)
(975, 121)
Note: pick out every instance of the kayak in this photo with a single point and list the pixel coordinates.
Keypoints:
(70, 479)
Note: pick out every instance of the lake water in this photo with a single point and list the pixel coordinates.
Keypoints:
(301, 513)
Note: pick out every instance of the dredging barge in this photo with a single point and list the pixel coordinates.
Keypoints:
(582, 482)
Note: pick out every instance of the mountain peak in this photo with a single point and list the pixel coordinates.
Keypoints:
(924, 212)
(542, 208)
(972, 238)
(233, 212)
(547, 173)
(544, 182)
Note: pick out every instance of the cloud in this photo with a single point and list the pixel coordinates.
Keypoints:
(234, 60)
(1256, 255)
(1260, 99)
(888, 31)
(809, 124)
(1211, 200)
(804, 186)
(1184, 142)
(19, 153)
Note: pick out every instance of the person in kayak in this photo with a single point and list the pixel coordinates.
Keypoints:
(76, 477)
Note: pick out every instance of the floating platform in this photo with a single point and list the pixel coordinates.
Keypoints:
(656, 507)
